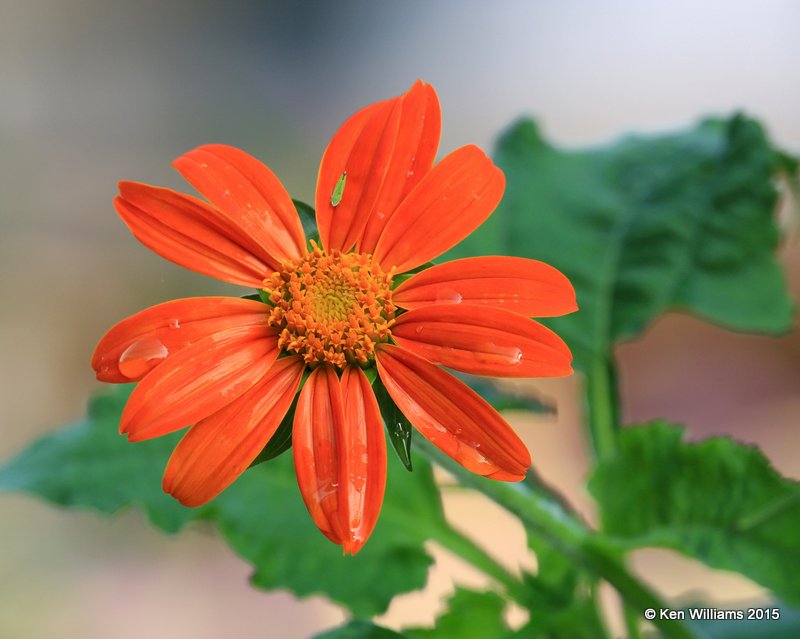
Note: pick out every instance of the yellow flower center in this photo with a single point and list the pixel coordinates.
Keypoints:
(331, 308)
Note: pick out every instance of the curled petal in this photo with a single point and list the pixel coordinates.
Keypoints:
(219, 448)
(360, 151)
(527, 287)
(249, 196)
(412, 157)
(450, 202)
(137, 344)
(452, 416)
(483, 341)
(318, 429)
(362, 473)
(198, 381)
(190, 233)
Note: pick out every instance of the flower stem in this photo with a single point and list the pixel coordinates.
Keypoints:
(632, 618)
(559, 528)
(601, 396)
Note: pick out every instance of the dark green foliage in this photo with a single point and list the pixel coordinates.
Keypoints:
(716, 500)
(89, 465)
(397, 425)
(683, 221)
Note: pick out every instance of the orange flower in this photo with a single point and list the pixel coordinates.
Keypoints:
(232, 367)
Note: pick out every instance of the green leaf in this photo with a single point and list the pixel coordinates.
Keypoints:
(716, 500)
(470, 613)
(359, 629)
(264, 520)
(90, 465)
(308, 219)
(397, 425)
(682, 220)
(262, 516)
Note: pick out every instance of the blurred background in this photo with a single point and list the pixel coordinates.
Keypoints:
(95, 91)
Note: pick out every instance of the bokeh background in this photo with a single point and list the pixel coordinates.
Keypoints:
(93, 91)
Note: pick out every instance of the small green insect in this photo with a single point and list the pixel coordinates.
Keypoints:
(338, 190)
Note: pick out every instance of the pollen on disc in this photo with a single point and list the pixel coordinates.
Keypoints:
(332, 308)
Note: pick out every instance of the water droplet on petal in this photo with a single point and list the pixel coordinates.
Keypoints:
(357, 481)
(418, 330)
(326, 490)
(511, 355)
(448, 296)
(174, 323)
(470, 454)
(142, 356)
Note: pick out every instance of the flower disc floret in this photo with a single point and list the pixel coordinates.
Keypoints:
(331, 308)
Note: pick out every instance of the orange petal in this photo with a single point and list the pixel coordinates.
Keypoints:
(452, 416)
(317, 431)
(190, 233)
(412, 157)
(483, 341)
(362, 147)
(450, 202)
(249, 195)
(527, 287)
(362, 474)
(198, 381)
(219, 448)
(137, 344)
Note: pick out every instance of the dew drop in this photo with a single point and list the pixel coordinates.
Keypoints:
(326, 490)
(418, 330)
(448, 296)
(142, 356)
(511, 355)
(357, 481)
(174, 323)
(469, 453)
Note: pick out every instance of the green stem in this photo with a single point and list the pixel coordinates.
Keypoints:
(601, 390)
(550, 521)
(632, 618)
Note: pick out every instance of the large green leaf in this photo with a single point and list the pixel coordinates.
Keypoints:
(716, 500)
(89, 465)
(262, 516)
(682, 220)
